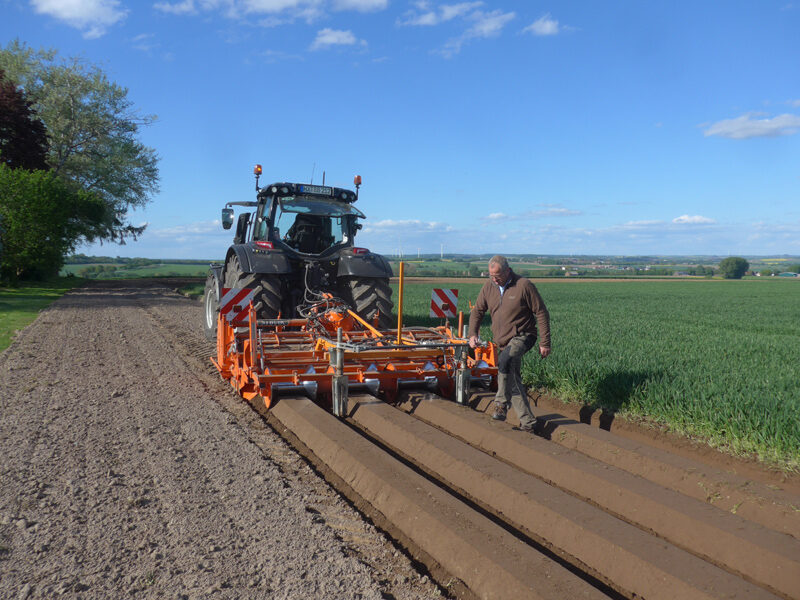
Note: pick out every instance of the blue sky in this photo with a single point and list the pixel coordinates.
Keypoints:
(630, 127)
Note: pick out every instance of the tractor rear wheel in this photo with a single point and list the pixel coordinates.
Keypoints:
(270, 296)
(369, 296)
(211, 308)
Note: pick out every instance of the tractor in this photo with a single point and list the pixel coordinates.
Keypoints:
(296, 246)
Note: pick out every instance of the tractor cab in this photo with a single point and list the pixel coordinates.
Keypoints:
(308, 224)
(295, 244)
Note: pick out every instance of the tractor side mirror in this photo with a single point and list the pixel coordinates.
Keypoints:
(227, 218)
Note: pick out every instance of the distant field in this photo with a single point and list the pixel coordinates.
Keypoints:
(159, 270)
(718, 360)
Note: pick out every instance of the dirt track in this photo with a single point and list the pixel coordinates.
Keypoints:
(130, 468)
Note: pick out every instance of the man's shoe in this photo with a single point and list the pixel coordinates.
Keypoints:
(528, 428)
(499, 413)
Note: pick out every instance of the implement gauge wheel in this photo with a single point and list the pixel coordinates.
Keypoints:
(210, 308)
(368, 295)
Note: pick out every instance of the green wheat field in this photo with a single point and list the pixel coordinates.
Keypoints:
(715, 360)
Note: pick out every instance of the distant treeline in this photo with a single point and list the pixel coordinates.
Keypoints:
(82, 259)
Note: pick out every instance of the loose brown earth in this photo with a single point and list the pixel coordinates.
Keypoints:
(130, 469)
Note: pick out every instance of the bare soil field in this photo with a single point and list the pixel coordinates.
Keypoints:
(130, 469)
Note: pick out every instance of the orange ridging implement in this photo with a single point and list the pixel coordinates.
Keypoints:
(333, 352)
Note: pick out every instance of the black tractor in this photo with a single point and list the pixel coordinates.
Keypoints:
(296, 245)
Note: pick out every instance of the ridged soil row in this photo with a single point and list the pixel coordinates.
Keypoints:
(741, 547)
(492, 563)
(773, 508)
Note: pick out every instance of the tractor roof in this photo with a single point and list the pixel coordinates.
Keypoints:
(306, 189)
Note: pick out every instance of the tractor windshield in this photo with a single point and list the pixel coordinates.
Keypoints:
(312, 225)
(309, 205)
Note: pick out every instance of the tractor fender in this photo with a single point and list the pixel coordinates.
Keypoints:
(363, 265)
(256, 260)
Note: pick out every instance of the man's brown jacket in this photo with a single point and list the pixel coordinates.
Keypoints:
(514, 313)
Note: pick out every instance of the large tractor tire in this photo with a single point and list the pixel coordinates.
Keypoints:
(368, 296)
(210, 308)
(270, 295)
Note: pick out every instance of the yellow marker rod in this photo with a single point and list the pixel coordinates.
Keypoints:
(400, 306)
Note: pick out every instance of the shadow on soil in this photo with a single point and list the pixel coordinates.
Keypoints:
(612, 393)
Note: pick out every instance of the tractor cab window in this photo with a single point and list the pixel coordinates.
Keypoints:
(311, 225)
(260, 228)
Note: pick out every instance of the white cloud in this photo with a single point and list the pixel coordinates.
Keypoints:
(795, 103)
(93, 17)
(278, 12)
(544, 25)
(389, 225)
(360, 5)
(553, 211)
(451, 11)
(327, 38)
(197, 228)
(444, 13)
(486, 25)
(186, 7)
(489, 24)
(145, 42)
(548, 211)
(693, 220)
(276, 6)
(635, 224)
(747, 126)
(275, 56)
(482, 24)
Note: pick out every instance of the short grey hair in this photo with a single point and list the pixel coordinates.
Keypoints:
(500, 261)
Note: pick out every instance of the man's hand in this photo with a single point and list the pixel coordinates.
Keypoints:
(545, 352)
(473, 341)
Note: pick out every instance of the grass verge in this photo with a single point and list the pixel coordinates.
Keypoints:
(19, 305)
(194, 290)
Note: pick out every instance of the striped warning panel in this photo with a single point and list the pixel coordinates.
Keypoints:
(444, 303)
(235, 302)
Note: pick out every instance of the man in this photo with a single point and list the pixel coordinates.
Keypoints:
(516, 308)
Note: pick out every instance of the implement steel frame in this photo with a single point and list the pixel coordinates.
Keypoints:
(265, 356)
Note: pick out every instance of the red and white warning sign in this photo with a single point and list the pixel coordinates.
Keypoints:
(235, 303)
(444, 303)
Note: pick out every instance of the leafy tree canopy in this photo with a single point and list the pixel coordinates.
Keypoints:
(23, 142)
(733, 267)
(42, 218)
(92, 128)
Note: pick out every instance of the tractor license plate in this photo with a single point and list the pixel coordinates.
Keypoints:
(322, 190)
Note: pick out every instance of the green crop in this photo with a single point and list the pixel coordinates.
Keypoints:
(715, 360)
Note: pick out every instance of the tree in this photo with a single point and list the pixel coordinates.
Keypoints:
(92, 127)
(733, 267)
(23, 142)
(43, 218)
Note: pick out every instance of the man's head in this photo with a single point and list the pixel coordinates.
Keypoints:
(499, 269)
